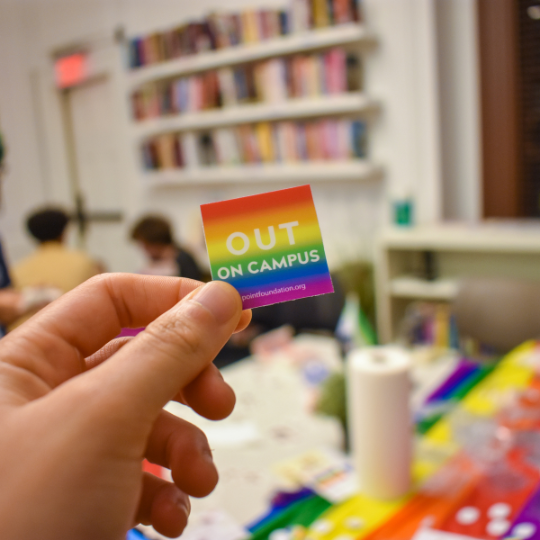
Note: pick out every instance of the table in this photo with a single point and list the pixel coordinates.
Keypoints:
(271, 422)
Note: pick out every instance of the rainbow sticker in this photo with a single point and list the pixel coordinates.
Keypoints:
(268, 246)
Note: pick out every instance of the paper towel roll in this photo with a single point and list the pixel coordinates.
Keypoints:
(380, 424)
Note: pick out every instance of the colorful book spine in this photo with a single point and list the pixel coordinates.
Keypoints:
(269, 81)
(321, 17)
(280, 142)
(219, 30)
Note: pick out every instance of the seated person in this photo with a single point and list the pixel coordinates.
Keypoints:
(52, 266)
(166, 257)
(13, 304)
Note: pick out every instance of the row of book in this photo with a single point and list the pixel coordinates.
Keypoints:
(271, 81)
(221, 30)
(280, 142)
(429, 323)
(433, 324)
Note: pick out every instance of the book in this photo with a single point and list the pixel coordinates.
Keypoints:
(344, 138)
(275, 86)
(354, 73)
(265, 142)
(267, 81)
(178, 151)
(241, 84)
(235, 29)
(342, 11)
(274, 25)
(279, 142)
(358, 138)
(219, 30)
(190, 152)
(249, 27)
(300, 16)
(321, 17)
(227, 87)
(302, 151)
(206, 150)
(165, 149)
(284, 23)
(356, 8)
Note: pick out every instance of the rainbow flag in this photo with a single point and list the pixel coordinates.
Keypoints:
(268, 246)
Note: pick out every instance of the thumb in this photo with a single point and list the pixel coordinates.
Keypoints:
(150, 370)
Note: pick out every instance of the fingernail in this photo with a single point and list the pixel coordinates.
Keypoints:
(182, 502)
(219, 299)
(206, 453)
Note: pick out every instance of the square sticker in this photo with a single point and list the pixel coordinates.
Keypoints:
(268, 246)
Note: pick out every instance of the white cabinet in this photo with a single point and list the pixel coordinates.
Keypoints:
(426, 263)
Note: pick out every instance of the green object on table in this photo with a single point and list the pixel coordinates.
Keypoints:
(302, 513)
(403, 212)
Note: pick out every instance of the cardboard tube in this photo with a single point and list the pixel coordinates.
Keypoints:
(380, 423)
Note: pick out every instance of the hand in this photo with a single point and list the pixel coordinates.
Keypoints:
(79, 412)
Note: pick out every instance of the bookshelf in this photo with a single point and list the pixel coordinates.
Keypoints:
(455, 251)
(254, 111)
(312, 40)
(350, 103)
(422, 289)
(359, 170)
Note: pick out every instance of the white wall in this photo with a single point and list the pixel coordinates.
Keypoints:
(460, 108)
(401, 72)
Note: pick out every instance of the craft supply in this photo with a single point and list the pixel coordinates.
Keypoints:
(327, 473)
(380, 421)
(268, 246)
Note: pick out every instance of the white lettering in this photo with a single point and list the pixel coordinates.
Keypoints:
(289, 226)
(223, 273)
(291, 258)
(235, 271)
(250, 269)
(272, 234)
(300, 258)
(314, 255)
(280, 264)
(230, 246)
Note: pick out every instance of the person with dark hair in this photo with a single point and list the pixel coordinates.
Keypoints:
(48, 225)
(154, 235)
(52, 264)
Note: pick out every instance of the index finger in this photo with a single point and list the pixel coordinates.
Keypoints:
(54, 343)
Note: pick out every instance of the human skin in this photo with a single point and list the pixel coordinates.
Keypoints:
(10, 306)
(80, 410)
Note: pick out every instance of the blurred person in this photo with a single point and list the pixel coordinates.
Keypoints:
(52, 264)
(166, 257)
(13, 304)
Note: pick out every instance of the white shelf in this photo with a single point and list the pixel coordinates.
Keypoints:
(359, 170)
(311, 40)
(354, 102)
(493, 237)
(412, 287)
